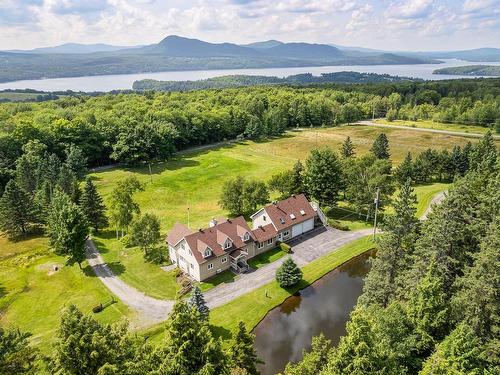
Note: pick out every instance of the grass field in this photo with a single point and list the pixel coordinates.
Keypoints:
(253, 306)
(32, 294)
(32, 299)
(429, 124)
(195, 180)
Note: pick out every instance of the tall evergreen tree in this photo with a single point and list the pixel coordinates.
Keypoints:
(87, 347)
(197, 301)
(67, 228)
(297, 179)
(16, 211)
(395, 250)
(348, 150)
(323, 176)
(380, 147)
(16, 354)
(76, 160)
(405, 170)
(483, 155)
(190, 347)
(93, 206)
(312, 361)
(241, 351)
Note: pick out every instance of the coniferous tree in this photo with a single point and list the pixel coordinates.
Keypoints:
(242, 353)
(484, 154)
(348, 150)
(16, 354)
(197, 301)
(405, 170)
(16, 211)
(313, 361)
(190, 347)
(460, 353)
(67, 228)
(297, 179)
(380, 147)
(323, 176)
(288, 274)
(395, 250)
(93, 207)
(87, 347)
(42, 200)
(76, 161)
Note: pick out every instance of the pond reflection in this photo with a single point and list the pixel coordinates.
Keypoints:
(322, 307)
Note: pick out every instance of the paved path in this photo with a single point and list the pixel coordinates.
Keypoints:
(448, 132)
(151, 310)
(438, 198)
(306, 249)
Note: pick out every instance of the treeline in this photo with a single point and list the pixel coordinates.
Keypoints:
(430, 302)
(250, 80)
(136, 128)
(85, 346)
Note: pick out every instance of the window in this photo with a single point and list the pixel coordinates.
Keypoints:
(280, 236)
(246, 237)
(286, 233)
(207, 253)
(270, 241)
(223, 260)
(260, 245)
(182, 246)
(190, 252)
(292, 216)
(264, 217)
(210, 266)
(228, 244)
(302, 212)
(192, 265)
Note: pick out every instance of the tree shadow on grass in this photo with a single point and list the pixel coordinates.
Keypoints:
(116, 267)
(221, 332)
(3, 291)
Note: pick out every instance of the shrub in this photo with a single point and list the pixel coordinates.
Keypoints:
(285, 247)
(288, 274)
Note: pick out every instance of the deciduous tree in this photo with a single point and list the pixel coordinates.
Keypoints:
(323, 176)
(145, 232)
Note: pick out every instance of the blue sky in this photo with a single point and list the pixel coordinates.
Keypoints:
(383, 24)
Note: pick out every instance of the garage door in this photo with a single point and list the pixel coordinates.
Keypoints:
(306, 226)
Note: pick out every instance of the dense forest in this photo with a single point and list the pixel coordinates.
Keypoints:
(471, 70)
(135, 128)
(248, 80)
(430, 303)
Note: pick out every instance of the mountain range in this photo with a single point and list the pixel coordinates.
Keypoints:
(179, 53)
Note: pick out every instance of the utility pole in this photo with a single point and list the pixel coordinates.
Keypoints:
(188, 215)
(375, 218)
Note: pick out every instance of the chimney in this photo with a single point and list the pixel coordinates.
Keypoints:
(212, 222)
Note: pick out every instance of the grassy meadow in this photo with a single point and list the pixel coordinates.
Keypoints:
(429, 124)
(32, 295)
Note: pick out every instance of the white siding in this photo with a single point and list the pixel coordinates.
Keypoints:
(260, 218)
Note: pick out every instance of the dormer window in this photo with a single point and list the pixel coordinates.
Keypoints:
(302, 212)
(292, 216)
(282, 220)
(207, 252)
(228, 244)
(246, 237)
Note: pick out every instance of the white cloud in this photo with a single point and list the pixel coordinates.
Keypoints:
(410, 9)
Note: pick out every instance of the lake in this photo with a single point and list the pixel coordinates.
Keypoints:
(323, 307)
(125, 81)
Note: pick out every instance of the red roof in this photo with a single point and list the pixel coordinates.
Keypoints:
(263, 233)
(211, 237)
(290, 211)
(178, 232)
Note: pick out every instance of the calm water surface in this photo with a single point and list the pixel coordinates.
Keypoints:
(125, 81)
(322, 307)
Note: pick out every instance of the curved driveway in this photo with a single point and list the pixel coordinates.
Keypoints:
(150, 310)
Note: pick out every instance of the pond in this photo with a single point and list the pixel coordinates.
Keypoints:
(324, 306)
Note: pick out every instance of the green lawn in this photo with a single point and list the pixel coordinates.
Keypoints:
(266, 258)
(194, 180)
(253, 306)
(32, 294)
(429, 124)
(224, 277)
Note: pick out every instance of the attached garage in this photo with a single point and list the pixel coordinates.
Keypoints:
(303, 227)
